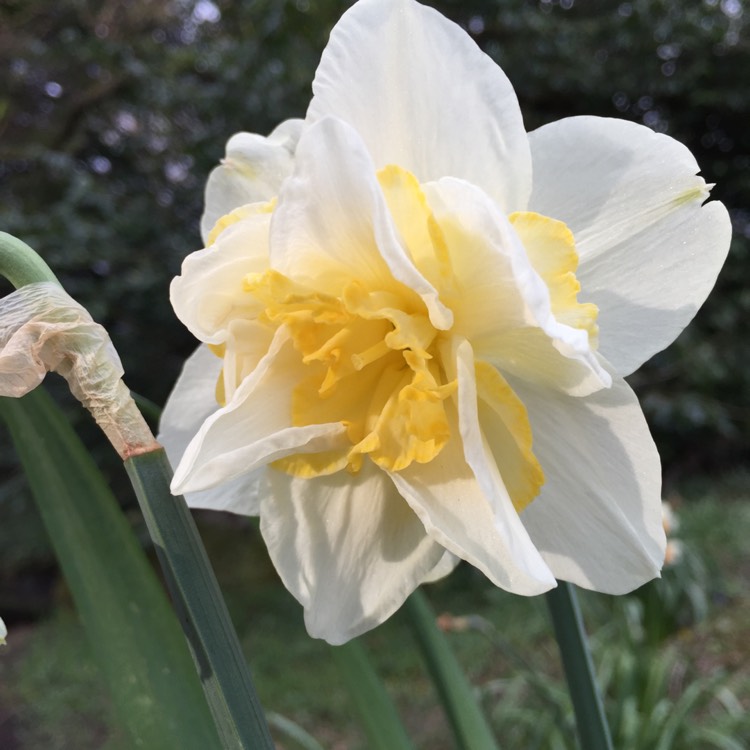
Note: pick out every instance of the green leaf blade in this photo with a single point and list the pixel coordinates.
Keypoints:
(591, 722)
(469, 724)
(224, 672)
(376, 711)
(134, 634)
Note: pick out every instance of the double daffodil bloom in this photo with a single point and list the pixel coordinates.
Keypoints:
(415, 334)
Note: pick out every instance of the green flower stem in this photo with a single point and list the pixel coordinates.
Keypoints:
(374, 706)
(466, 718)
(200, 606)
(20, 264)
(593, 731)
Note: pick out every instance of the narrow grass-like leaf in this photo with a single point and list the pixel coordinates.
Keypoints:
(294, 732)
(134, 634)
(687, 703)
(714, 738)
(593, 731)
(374, 707)
(466, 718)
(223, 670)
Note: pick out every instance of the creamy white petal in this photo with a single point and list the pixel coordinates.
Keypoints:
(332, 224)
(598, 520)
(650, 286)
(446, 566)
(649, 250)
(254, 428)
(506, 469)
(500, 302)
(479, 457)
(423, 96)
(485, 531)
(348, 547)
(530, 354)
(252, 170)
(190, 403)
(209, 292)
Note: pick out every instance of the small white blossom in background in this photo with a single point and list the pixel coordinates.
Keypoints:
(674, 550)
(3, 632)
(416, 319)
(669, 518)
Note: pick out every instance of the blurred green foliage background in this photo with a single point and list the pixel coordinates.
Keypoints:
(113, 112)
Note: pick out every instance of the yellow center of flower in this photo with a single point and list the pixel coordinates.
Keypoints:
(372, 359)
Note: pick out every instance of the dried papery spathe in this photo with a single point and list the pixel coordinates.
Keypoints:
(43, 329)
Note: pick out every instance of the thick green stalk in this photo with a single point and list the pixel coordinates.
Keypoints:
(593, 730)
(466, 718)
(200, 606)
(20, 264)
(374, 706)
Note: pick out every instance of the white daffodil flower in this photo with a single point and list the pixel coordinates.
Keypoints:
(414, 345)
(3, 632)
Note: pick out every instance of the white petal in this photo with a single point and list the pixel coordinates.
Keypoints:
(423, 96)
(479, 457)
(209, 292)
(484, 531)
(649, 251)
(506, 469)
(500, 302)
(348, 547)
(598, 520)
(253, 169)
(191, 402)
(332, 224)
(447, 565)
(254, 428)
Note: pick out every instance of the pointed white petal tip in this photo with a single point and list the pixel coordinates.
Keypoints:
(650, 246)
